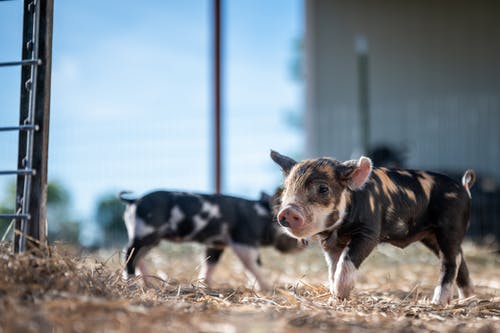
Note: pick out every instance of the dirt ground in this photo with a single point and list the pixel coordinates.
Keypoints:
(71, 291)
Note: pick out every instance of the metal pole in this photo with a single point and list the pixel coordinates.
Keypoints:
(27, 46)
(34, 109)
(363, 92)
(217, 94)
(19, 128)
(38, 205)
(31, 86)
(21, 63)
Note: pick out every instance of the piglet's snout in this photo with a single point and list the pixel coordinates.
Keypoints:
(290, 217)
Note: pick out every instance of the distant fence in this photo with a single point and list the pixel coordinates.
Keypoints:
(485, 219)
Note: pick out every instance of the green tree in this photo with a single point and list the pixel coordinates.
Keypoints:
(109, 216)
(294, 116)
(61, 224)
(7, 206)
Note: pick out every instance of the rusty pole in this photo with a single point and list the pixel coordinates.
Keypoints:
(34, 101)
(217, 93)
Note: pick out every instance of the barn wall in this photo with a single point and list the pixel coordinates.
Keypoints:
(434, 78)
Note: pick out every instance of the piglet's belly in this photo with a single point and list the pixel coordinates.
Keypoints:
(404, 238)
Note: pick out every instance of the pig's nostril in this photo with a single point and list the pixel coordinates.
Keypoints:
(284, 222)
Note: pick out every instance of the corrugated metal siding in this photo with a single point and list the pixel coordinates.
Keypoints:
(434, 80)
(434, 86)
(452, 133)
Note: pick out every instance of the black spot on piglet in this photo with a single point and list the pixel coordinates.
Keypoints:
(259, 262)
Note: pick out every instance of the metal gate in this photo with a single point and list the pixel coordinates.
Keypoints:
(29, 216)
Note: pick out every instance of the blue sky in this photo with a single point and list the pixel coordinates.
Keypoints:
(131, 95)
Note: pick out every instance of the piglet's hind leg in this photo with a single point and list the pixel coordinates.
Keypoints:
(249, 256)
(451, 259)
(465, 288)
(210, 261)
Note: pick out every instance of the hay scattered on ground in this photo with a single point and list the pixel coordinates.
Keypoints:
(65, 292)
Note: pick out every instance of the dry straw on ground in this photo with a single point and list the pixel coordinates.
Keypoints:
(65, 292)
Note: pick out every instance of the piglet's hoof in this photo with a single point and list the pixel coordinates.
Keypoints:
(335, 300)
(125, 276)
(442, 295)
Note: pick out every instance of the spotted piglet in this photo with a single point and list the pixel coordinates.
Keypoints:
(218, 221)
(350, 207)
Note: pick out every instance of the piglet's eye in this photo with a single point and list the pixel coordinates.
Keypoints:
(323, 189)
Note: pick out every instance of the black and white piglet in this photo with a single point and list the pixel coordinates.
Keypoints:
(215, 220)
(351, 207)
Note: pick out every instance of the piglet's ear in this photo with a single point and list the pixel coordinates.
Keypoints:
(286, 163)
(357, 172)
(264, 197)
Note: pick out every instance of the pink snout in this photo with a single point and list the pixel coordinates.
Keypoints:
(290, 217)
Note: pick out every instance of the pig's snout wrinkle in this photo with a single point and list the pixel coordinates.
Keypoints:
(289, 217)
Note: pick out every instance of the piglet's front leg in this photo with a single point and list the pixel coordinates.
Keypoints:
(348, 263)
(332, 250)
